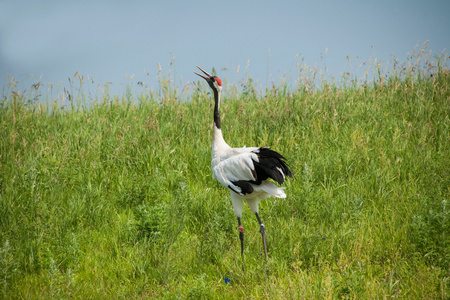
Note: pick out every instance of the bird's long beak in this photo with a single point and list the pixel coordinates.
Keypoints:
(208, 76)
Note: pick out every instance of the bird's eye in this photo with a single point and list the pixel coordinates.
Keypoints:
(219, 82)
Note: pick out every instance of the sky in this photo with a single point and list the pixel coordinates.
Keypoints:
(122, 42)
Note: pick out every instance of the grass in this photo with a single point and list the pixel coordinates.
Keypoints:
(115, 199)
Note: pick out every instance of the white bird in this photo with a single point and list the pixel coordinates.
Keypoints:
(245, 171)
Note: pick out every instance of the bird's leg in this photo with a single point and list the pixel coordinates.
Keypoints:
(241, 237)
(263, 233)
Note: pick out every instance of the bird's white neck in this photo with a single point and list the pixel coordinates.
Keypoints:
(218, 140)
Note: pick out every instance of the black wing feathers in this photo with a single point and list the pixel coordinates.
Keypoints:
(268, 165)
(246, 187)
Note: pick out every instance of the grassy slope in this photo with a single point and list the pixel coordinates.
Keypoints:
(118, 200)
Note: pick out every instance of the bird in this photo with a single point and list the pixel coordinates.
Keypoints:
(247, 172)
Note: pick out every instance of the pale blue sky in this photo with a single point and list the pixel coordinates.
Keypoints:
(110, 40)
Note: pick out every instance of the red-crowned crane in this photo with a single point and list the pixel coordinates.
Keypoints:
(245, 171)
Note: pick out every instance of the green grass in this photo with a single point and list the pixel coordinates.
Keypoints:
(116, 199)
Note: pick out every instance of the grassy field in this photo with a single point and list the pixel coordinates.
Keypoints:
(115, 199)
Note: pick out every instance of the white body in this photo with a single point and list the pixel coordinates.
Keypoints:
(232, 164)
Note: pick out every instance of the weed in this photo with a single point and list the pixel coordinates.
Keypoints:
(103, 196)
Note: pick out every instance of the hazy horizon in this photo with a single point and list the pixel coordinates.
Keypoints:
(115, 41)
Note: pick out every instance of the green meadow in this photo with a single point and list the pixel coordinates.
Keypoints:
(111, 196)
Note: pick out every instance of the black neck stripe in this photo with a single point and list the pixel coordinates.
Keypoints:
(216, 109)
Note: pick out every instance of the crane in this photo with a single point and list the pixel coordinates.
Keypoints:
(244, 171)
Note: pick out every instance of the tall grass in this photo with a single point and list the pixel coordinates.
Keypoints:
(115, 199)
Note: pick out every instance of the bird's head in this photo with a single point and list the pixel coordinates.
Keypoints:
(214, 82)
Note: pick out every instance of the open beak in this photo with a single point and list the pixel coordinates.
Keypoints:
(208, 76)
